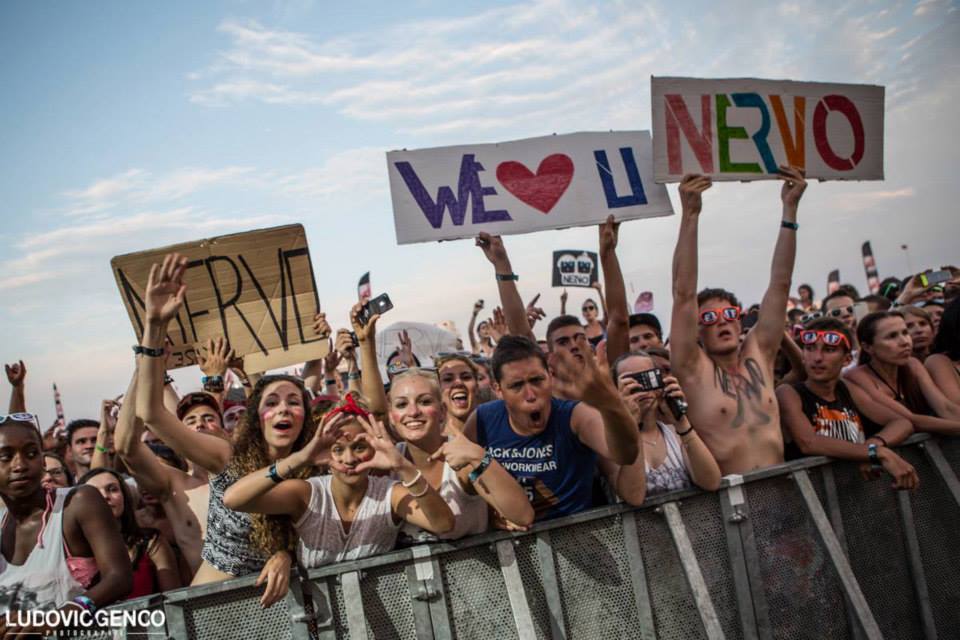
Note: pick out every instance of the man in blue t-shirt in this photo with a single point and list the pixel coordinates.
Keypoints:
(550, 445)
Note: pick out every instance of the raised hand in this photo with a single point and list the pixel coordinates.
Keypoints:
(671, 389)
(584, 381)
(493, 249)
(165, 289)
(609, 235)
(331, 361)
(563, 297)
(459, 452)
(386, 456)
(477, 307)
(321, 327)
(107, 413)
(497, 325)
(692, 187)
(406, 350)
(218, 358)
(534, 313)
(16, 373)
(363, 331)
(344, 345)
(794, 184)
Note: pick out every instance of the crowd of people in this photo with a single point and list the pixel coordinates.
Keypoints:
(162, 491)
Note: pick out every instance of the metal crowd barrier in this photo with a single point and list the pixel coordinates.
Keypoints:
(806, 549)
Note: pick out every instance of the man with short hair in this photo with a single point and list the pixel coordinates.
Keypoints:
(839, 304)
(645, 332)
(564, 333)
(82, 440)
(550, 445)
(825, 416)
(730, 386)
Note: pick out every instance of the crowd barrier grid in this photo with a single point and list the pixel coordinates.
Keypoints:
(805, 549)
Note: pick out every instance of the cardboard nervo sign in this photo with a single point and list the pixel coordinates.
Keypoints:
(575, 268)
(553, 182)
(256, 289)
(743, 128)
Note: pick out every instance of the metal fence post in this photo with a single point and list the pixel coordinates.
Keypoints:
(515, 591)
(936, 457)
(551, 587)
(638, 577)
(916, 565)
(840, 563)
(744, 561)
(691, 568)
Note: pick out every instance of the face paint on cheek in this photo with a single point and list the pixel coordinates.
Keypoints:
(364, 456)
(266, 414)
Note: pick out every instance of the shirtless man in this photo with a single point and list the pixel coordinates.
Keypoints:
(730, 386)
(184, 496)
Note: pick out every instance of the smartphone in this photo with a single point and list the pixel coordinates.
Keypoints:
(649, 380)
(931, 278)
(379, 305)
(860, 310)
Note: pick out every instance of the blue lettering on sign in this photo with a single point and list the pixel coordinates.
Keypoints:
(468, 188)
(614, 201)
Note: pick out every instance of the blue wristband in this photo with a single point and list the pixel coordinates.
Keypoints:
(474, 475)
(872, 454)
(86, 603)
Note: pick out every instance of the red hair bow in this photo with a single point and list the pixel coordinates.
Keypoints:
(349, 407)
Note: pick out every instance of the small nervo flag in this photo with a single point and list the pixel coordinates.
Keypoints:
(870, 266)
(363, 287)
(61, 422)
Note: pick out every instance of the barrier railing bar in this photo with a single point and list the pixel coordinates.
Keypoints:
(353, 601)
(551, 587)
(319, 593)
(638, 577)
(691, 568)
(916, 565)
(755, 574)
(439, 618)
(733, 516)
(943, 468)
(176, 621)
(420, 596)
(840, 563)
(297, 608)
(836, 521)
(515, 591)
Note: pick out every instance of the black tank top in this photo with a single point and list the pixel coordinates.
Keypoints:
(838, 418)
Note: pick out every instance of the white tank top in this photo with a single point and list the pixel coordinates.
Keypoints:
(44, 580)
(470, 513)
(322, 540)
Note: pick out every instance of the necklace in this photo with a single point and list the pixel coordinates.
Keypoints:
(656, 439)
(896, 392)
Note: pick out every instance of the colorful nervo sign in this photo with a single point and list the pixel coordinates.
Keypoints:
(552, 182)
(743, 128)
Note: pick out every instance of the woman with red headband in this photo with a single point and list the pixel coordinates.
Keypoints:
(347, 514)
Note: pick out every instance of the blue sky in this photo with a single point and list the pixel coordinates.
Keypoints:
(128, 126)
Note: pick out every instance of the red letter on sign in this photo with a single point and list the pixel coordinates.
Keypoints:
(701, 142)
(848, 109)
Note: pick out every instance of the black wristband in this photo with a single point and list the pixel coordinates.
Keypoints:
(167, 379)
(683, 433)
(504, 277)
(786, 224)
(141, 350)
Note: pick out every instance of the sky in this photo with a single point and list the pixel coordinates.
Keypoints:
(131, 126)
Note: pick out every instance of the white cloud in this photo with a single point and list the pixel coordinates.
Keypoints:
(863, 201)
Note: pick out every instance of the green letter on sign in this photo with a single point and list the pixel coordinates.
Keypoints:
(724, 135)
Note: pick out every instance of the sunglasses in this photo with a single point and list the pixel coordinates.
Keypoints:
(396, 367)
(829, 338)
(712, 316)
(21, 417)
(590, 308)
(807, 317)
(836, 313)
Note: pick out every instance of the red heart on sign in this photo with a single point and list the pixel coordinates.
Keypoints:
(543, 189)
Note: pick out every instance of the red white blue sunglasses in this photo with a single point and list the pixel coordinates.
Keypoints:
(829, 338)
(21, 417)
(712, 316)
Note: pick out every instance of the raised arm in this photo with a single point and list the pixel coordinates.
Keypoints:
(214, 367)
(513, 307)
(313, 370)
(152, 475)
(471, 326)
(16, 374)
(812, 444)
(371, 380)
(617, 316)
(164, 297)
(768, 331)
(348, 352)
(494, 484)
(599, 289)
(794, 356)
(103, 452)
(685, 353)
